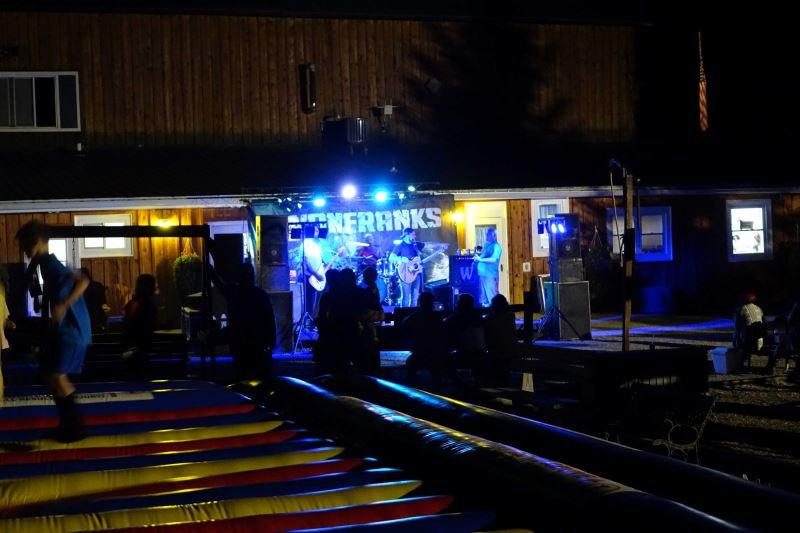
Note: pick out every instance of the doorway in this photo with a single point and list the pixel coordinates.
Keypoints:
(479, 217)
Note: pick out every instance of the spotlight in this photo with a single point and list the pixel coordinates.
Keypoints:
(457, 217)
(401, 196)
(319, 201)
(349, 192)
(411, 188)
(381, 196)
(280, 200)
(299, 205)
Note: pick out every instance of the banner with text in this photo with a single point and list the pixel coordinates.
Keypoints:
(349, 222)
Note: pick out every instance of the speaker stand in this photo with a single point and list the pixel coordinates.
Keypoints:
(553, 314)
(300, 327)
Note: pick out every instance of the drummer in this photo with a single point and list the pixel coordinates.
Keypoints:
(368, 253)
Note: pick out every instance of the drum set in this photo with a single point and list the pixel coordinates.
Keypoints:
(388, 282)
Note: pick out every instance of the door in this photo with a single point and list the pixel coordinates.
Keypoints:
(480, 216)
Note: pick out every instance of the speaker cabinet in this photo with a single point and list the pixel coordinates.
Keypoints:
(308, 87)
(568, 248)
(284, 326)
(273, 236)
(274, 277)
(567, 245)
(573, 315)
(463, 272)
(297, 301)
(566, 270)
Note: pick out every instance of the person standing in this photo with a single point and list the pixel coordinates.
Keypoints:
(489, 268)
(252, 328)
(141, 317)
(5, 322)
(66, 316)
(313, 267)
(408, 251)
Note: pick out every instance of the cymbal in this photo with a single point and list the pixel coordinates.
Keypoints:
(356, 243)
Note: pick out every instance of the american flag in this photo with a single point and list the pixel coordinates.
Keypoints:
(702, 87)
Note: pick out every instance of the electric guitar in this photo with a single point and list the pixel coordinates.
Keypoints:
(317, 284)
(408, 272)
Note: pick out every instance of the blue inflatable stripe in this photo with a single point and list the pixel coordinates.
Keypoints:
(162, 400)
(441, 523)
(260, 490)
(257, 415)
(139, 461)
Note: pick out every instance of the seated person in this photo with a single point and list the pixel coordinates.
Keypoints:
(466, 338)
(141, 316)
(426, 338)
(501, 339)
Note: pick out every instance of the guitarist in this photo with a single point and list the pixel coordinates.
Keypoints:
(406, 251)
(312, 266)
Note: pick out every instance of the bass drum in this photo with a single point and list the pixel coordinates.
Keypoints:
(382, 290)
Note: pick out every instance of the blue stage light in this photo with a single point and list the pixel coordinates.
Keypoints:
(411, 188)
(561, 228)
(319, 201)
(381, 196)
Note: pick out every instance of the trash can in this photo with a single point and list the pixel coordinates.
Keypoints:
(727, 360)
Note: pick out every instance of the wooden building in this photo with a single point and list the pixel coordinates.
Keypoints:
(184, 114)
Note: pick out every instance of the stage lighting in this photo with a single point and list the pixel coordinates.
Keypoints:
(381, 196)
(401, 196)
(349, 192)
(299, 205)
(411, 188)
(319, 202)
(561, 228)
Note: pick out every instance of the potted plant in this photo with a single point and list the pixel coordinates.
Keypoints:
(187, 272)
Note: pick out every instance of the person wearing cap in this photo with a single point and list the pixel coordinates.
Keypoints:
(404, 252)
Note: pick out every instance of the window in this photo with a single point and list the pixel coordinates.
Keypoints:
(653, 238)
(749, 229)
(545, 209)
(39, 101)
(105, 246)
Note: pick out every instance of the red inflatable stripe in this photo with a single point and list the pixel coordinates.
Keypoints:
(264, 475)
(74, 454)
(45, 422)
(341, 516)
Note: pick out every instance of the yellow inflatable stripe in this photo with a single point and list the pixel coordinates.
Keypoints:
(21, 491)
(211, 510)
(161, 435)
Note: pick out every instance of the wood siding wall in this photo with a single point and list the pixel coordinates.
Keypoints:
(700, 278)
(160, 80)
(150, 256)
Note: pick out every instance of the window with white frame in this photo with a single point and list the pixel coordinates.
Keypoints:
(544, 209)
(749, 229)
(39, 101)
(105, 246)
(653, 232)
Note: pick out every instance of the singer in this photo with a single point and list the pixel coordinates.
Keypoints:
(489, 267)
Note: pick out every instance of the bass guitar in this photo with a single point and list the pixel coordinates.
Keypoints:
(317, 284)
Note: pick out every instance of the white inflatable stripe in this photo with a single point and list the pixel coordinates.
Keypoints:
(89, 397)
